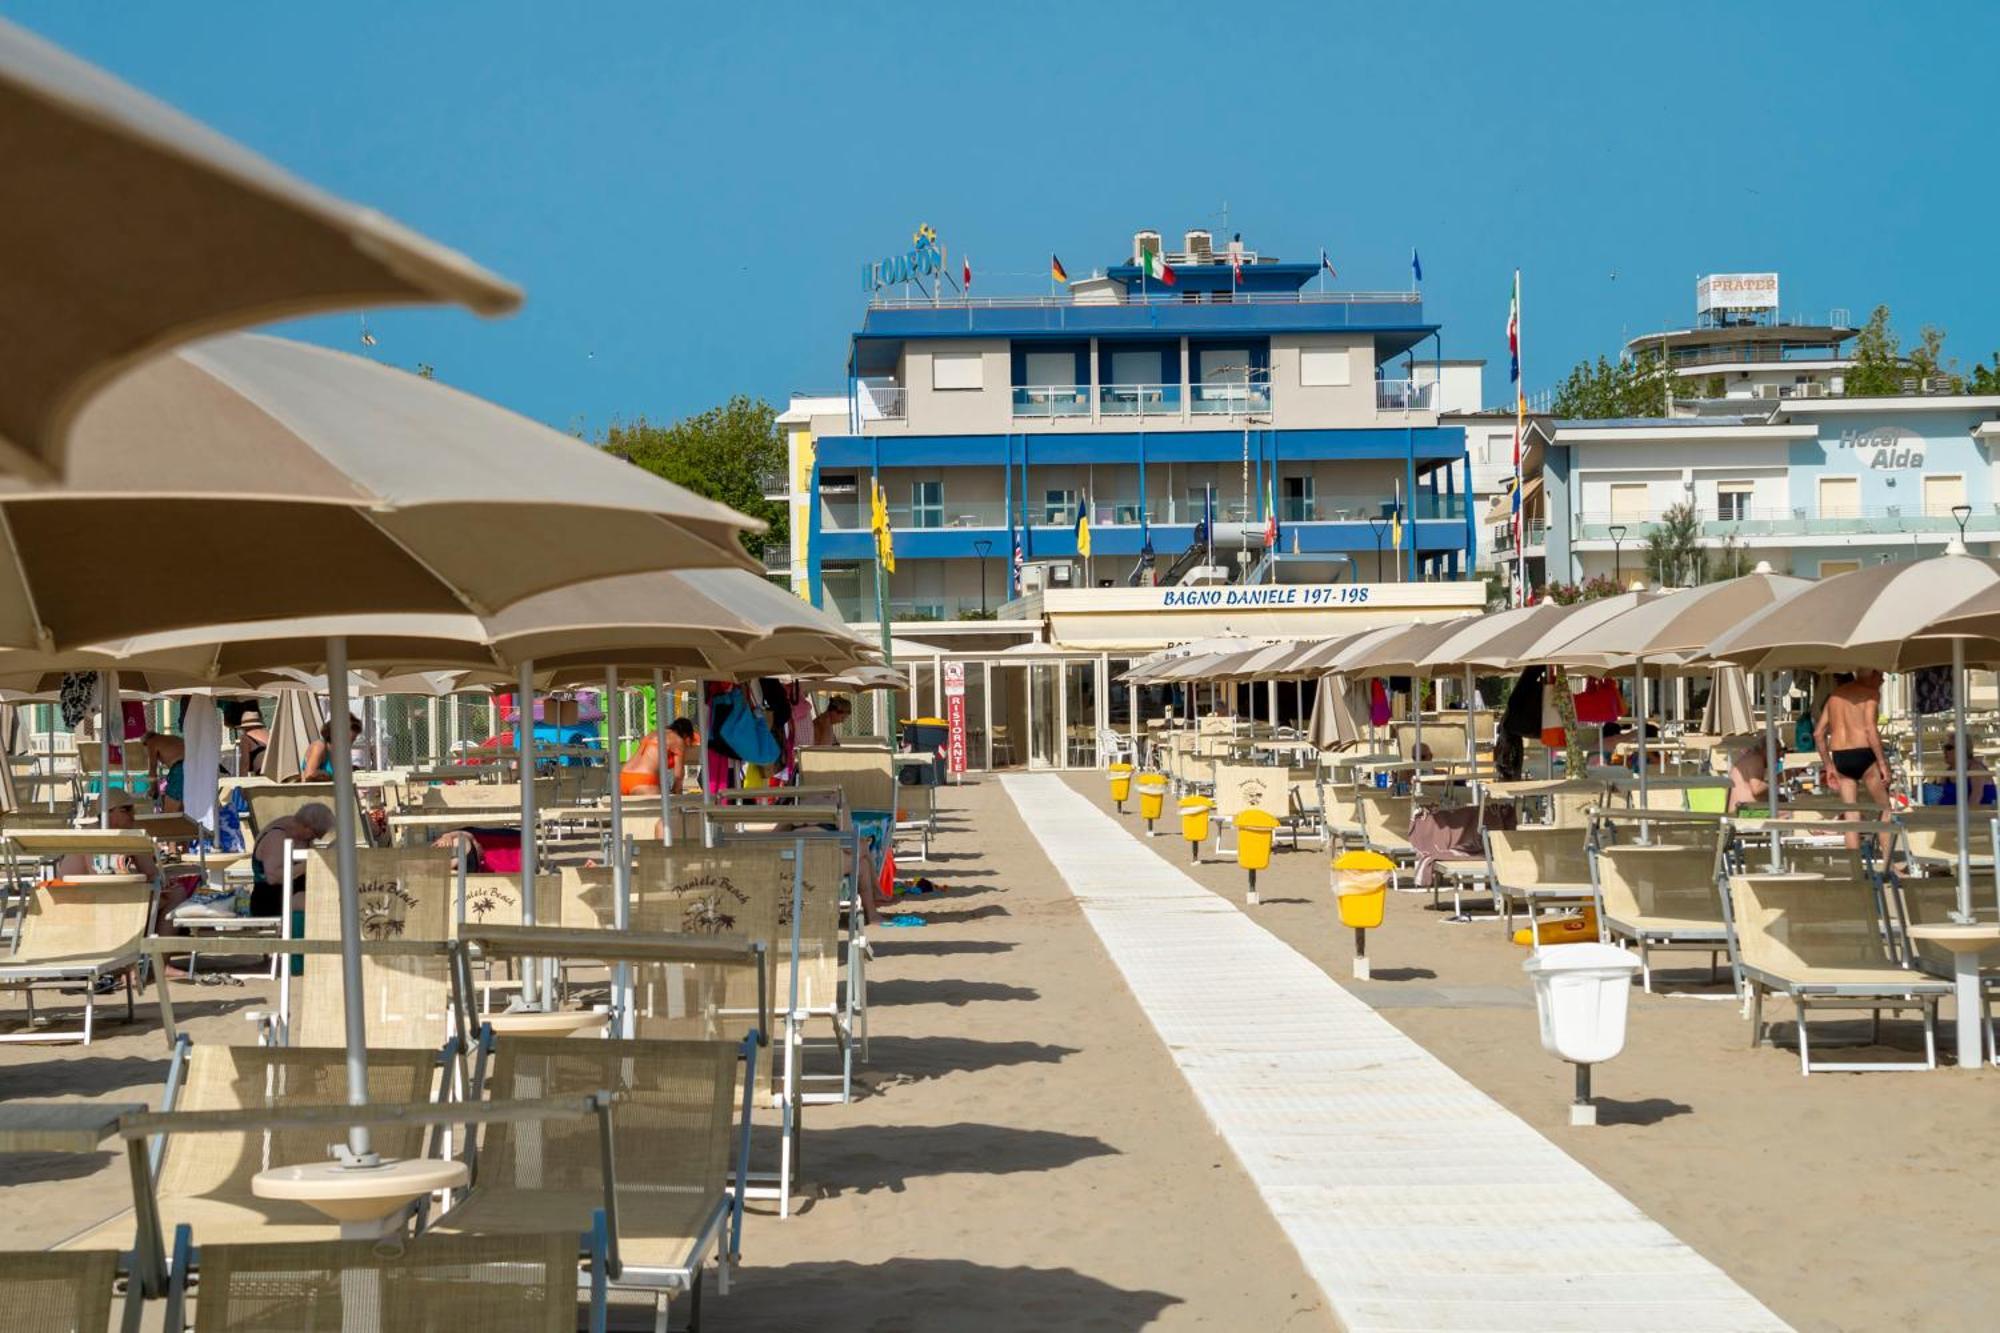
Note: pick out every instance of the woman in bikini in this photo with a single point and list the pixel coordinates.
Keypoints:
(1851, 746)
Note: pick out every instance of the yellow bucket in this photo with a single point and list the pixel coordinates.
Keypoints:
(1121, 785)
(1253, 838)
(1361, 888)
(1195, 814)
(1152, 796)
(1578, 929)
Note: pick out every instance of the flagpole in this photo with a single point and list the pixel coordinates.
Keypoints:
(1520, 428)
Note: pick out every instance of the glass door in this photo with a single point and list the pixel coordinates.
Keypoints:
(1045, 715)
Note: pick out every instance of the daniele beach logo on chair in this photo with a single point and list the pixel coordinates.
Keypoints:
(482, 899)
(707, 910)
(385, 906)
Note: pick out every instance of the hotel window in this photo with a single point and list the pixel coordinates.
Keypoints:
(1059, 507)
(1296, 500)
(1324, 367)
(1628, 502)
(926, 504)
(1942, 495)
(1828, 568)
(957, 370)
(1840, 497)
(1732, 500)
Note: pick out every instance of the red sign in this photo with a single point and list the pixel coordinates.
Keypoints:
(954, 716)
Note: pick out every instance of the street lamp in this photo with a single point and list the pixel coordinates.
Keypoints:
(1617, 531)
(982, 545)
(1375, 522)
(1963, 513)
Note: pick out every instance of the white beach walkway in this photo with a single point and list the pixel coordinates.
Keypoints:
(1415, 1200)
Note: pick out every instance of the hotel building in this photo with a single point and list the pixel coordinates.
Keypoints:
(1181, 418)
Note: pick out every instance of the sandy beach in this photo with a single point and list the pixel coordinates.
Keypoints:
(1023, 1154)
(1796, 1187)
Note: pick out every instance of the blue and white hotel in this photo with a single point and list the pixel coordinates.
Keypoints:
(991, 421)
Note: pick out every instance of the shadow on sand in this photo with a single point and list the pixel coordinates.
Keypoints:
(946, 991)
(863, 1158)
(913, 1059)
(889, 1298)
(20, 1168)
(89, 1076)
(908, 948)
(1643, 1111)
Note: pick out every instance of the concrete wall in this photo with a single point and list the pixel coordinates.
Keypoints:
(1295, 405)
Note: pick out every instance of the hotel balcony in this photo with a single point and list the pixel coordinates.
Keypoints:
(1130, 511)
(1755, 523)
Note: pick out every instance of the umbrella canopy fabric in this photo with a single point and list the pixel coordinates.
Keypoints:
(1337, 719)
(1493, 643)
(865, 677)
(1892, 617)
(293, 726)
(1680, 624)
(335, 485)
(130, 228)
(1401, 653)
(1549, 648)
(1337, 657)
(1727, 712)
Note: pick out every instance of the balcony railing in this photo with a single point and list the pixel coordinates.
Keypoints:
(1153, 295)
(881, 400)
(1052, 400)
(1231, 398)
(1832, 522)
(1140, 400)
(1116, 511)
(1402, 396)
(1537, 534)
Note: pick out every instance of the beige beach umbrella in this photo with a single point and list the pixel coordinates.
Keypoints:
(294, 724)
(1337, 719)
(1728, 711)
(130, 228)
(1402, 653)
(329, 485)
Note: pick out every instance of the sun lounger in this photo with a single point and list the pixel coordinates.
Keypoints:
(268, 801)
(1385, 826)
(679, 1156)
(1537, 867)
(44, 1291)
(1820, 942)
(525, 1283)
(1664, 896)
(1931, 902)
(71, 936)
(203, 1178)
(1244, 787)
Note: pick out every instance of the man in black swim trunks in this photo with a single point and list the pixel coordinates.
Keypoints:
(1850, 746)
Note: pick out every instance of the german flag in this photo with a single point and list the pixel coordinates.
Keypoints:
(1057, 273)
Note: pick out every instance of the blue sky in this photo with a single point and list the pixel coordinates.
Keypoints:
(688, 192)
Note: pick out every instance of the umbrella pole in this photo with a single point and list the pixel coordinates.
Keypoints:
(106, 689)
(621, 865)
(353, 1003)
(1964, 913)
(660, 748)
(1471, 730)
(524, 745)
(702, 717)
(1771, 764)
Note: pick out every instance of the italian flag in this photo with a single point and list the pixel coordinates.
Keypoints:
(1152, 266)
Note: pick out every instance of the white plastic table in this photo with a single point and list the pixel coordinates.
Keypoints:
(1966, 943)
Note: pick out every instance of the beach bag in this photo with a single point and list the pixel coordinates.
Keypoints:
(740, 733)
(1599, 703)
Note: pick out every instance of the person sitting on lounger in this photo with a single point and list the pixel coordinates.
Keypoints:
(826, 727)
(166, 768)
(1749, 777)
(641, 774)
(119, 816)
(304, 827)
(318, 766)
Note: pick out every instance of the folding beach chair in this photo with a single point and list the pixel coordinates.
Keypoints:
(1240, 788)
(70, 937)
(1820, 942)
(45, 1291)
(203, 1178)
(525, 1283)
(1933, 902)
(1537, 867)
(677, 1162)
(1664, 896)
(1385, 827)
(268, 801)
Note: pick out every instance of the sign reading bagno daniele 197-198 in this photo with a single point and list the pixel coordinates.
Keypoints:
(1884, 448)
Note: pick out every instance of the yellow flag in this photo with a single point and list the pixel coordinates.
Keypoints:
(878, 522)
(1396, 531)
(1083, 531)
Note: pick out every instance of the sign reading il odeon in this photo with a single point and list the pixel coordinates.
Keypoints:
(1736, 291)
(924, 259)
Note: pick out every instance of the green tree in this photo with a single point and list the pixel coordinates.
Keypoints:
(1605, 389)
(1673, 547)
(1878, 369)
(1984, 378)
(722, 453)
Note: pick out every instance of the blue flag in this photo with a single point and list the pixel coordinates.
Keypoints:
(1416, 264)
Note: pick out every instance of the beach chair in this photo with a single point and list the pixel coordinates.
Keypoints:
(1537, 867)
(1819, 941)
(71, 936)
(202, 1178)
(1661, 896)
(524, 1283)
(265, 802)
(677, 1161)
(1240, 788)
(1385, 827)
(1933, 901)
(1306, 813)
(1343, 816)
(46, 1291)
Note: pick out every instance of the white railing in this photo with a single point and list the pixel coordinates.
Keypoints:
(1052, 400)
(880, 400)
(1132, 400)
(1402, 396)
(1154, 295)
